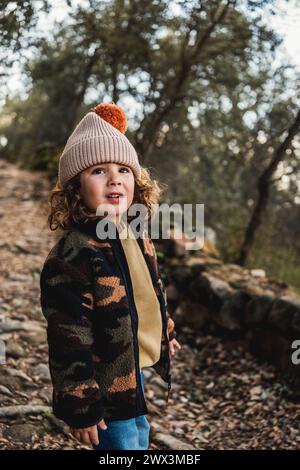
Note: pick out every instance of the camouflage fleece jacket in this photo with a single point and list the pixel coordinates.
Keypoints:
(87, 300)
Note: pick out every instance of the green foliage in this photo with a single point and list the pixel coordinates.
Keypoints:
(281, 262)
(211, 107)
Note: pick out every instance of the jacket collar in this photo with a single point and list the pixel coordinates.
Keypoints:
(90, 227)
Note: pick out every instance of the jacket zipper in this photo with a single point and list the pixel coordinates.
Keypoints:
(134, 317)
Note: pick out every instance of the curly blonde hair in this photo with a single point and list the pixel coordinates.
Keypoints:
(68, 209)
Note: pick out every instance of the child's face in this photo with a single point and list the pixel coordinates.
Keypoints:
(98, 181)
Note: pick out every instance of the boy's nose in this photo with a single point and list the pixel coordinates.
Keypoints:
(114, 179)
(114, 182)
(113, 171)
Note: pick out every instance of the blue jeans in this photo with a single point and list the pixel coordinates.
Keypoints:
(129, 434)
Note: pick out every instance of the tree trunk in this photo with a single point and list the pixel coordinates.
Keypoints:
(263, 187)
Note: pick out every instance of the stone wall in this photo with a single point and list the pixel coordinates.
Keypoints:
(226, 299)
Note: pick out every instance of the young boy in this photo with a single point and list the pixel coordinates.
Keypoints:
(103, 298)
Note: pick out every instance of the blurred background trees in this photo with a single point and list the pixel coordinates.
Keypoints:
(208, 106)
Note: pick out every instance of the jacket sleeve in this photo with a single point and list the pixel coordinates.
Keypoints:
(67, 303)
(171, 325)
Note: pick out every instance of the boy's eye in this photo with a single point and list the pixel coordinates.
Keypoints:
(98, 170)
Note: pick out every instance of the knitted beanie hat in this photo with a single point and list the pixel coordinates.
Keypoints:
(98, 138)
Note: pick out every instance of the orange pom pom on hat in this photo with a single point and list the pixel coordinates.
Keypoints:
(98, 138)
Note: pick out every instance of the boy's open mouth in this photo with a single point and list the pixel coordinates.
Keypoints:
(114, 197)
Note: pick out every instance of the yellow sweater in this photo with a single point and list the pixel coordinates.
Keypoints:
(146, 301)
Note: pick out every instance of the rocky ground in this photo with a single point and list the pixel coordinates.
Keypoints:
(222, 398)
